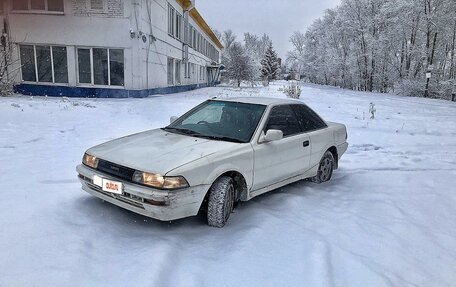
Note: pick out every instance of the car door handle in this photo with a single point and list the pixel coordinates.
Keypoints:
(306, 144)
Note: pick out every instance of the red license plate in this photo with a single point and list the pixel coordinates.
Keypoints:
(112, 186)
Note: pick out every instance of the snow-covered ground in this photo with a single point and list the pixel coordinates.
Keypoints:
(388, 217)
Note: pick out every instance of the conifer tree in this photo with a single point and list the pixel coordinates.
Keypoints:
(270, 67)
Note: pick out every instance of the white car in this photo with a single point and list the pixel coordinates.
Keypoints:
(218, 153)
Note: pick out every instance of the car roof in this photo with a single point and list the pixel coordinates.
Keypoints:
(260, 100)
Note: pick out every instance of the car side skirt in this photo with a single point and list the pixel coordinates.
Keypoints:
(310, 173)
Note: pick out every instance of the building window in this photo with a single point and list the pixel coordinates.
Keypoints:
(193, 66)
(179, 24)
(175, 23)
(38, 5)
(194, 38)
(200, 44)
(187, 70)
(190, 36)
(177, 71)
(101, 66)
(202, 73)
(171, 21)
(84, 66)
(170, 72)
(97, 5)
(44, 64)
(59, 58)
(116, 67)
(28, 63)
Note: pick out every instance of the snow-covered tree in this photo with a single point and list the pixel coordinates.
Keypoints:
(9, 65)
(256, 47)
(294, 61)
(239, 65)
(406, 46)
(270, 68)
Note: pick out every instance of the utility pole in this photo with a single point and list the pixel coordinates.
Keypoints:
(453, 95)
(430, 67)
(428, 78)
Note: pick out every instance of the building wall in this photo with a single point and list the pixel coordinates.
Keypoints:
(165, 45)
(139, 27)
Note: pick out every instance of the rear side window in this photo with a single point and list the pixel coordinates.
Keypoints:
(308, 119)
(284, 119)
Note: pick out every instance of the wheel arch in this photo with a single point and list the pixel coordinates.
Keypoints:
(240, 187)
(335, 154)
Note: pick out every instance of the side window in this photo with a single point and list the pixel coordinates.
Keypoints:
(283, 118)
(308, 119)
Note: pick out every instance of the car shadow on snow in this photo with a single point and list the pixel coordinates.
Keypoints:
(97, 210)
(94, 211)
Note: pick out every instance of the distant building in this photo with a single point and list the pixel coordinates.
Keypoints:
(109, 48)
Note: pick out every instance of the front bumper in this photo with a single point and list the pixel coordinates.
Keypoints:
(158, 204)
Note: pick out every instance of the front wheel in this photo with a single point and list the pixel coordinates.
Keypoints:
(221, 201)
(325, 169)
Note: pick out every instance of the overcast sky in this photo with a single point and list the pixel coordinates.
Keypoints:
(277, 18)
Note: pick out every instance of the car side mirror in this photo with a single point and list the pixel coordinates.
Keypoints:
(271, 135)
(172, 119)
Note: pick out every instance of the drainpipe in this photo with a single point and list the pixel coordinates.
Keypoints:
(186, 42)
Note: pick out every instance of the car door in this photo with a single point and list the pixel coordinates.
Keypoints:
(283, 159)
(315, 128)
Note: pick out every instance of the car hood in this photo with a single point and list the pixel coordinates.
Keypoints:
(157, 151)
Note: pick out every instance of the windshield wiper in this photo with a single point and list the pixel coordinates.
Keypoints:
(222, 138)
(199, 135)
(183, 131)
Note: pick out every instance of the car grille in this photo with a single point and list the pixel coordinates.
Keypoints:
(115, 169)
(125, 197)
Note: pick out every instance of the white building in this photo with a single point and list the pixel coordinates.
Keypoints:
(109, 48)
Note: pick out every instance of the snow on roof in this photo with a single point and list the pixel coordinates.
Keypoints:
(259, 100)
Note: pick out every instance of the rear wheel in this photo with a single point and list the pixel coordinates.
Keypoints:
(221, 201)
(325, 169)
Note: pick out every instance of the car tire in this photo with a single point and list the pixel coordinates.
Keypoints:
(325, 168)
(221, 201)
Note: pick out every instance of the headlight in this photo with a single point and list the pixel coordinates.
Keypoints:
(90, 160)
(174, 182)
(159, 181)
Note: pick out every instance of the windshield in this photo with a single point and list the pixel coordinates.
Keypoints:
(220, 120)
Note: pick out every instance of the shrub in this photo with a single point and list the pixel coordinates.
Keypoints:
(293, 90)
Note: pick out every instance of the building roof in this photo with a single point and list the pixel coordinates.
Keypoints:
(196, 16)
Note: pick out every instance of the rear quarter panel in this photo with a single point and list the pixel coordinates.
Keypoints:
(339, 132)
(322, 140)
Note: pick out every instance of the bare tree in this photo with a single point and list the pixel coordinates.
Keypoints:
(9, 66)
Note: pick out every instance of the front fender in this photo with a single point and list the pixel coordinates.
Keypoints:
(206, 170)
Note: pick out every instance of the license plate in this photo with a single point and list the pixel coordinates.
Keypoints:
(112, 186)
(108, 185)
